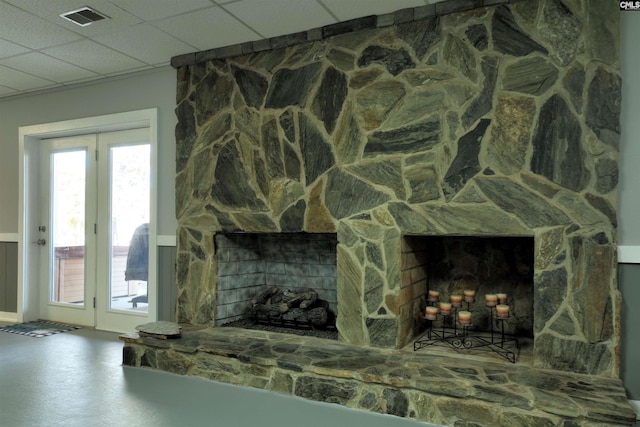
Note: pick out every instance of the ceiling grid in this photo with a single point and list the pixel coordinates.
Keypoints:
(40, 50)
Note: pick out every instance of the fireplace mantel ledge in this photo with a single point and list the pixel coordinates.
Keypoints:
(411, 384)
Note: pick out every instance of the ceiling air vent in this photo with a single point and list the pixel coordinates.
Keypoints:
(83, 16)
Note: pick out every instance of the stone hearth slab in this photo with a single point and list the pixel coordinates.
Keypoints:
(417, 385)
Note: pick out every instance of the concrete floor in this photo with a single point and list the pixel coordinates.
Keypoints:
(76, 379)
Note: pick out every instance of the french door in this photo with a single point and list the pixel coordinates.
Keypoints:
(94, 222)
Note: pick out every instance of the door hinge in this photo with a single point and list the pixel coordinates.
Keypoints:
(96, 155)
(94, 302)
(95, 228)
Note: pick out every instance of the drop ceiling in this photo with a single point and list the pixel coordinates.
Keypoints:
(40, 50)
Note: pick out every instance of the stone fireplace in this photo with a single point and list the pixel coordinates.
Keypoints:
(497, 121)
(395, 133)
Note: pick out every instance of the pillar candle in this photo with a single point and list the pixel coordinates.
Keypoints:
(464, 317)
(456, 300)
(469, 295)
(491, 300)
(502, 311)
(445, 308)
(431, 313)
(502, 298)
(434, 296)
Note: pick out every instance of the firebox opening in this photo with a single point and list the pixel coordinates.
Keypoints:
(450, 265)
(286, 282)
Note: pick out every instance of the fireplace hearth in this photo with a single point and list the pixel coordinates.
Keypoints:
(437, 122)
(445, 389)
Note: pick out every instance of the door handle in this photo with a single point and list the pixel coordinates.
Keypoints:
(41, 242)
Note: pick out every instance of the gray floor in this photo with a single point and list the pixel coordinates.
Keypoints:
(76, 379)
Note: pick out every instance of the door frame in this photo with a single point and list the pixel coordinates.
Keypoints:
(28, 195)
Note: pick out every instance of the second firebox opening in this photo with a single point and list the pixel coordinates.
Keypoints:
(487, 265)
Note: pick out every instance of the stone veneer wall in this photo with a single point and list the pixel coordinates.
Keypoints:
(450, 119)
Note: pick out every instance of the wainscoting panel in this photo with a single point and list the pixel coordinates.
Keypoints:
(8, 277)
(166, 280)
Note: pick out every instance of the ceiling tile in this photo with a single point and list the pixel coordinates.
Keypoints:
(141, 34)
(8, 49)
(278, 17)
(18, 80)
(150, 10)
(31, 31)
(52, 9)
(47, 67)
(7, 91)
(95, 57)
(208, 29)
(345, 10)
(146, 43)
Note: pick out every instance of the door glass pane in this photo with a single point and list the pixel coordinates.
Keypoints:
(68, 226)
(130, 204)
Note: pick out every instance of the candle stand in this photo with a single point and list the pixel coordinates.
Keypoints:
(460, 337)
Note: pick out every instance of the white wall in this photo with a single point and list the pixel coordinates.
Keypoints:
(628, 189)
(148, 89)
(629, 203)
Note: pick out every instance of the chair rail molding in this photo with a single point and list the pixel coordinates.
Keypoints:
(166, 240)
(628, 254)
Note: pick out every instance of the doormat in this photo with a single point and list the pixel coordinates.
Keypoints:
(38, 328)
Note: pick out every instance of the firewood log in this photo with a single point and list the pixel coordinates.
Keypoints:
(310, 300)
(267, 311)
(264, 296)
(316, 316)
(295, 299)
(283, 307)
(321, 303)
(295, 314)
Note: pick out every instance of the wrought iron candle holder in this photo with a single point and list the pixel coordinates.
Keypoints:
(452, 333)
